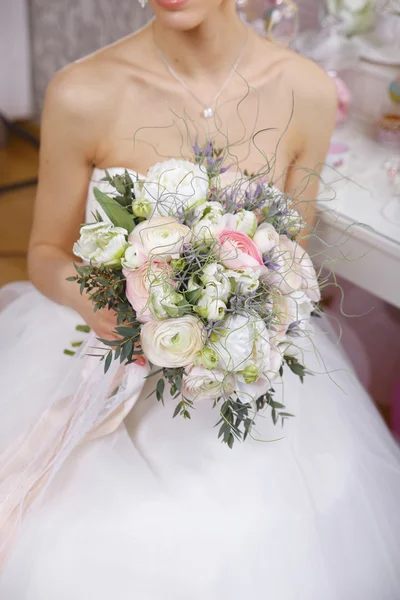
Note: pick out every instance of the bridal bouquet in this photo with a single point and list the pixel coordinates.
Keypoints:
(201, 265)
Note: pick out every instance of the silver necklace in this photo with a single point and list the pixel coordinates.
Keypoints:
(207, 109)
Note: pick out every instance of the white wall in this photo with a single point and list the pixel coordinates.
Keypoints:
(15, 60)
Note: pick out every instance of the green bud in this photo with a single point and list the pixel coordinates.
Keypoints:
(141, 208)
(207, 358)
(250, 374)
(178, 264)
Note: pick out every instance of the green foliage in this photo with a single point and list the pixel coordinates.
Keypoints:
(118, 215)
(123, 184)
(235, 422)
(296, 367)
(105, 287)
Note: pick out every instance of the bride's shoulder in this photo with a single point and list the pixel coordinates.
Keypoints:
(303, 79)
(88, 87)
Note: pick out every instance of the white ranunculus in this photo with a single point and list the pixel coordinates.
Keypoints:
(245, 342)
(266, 237)
(161, 237)
(172, 343)
(133, 257)
(210, 307)
(202, 384)
(208, 222)
(101, 244)
(245, 281)
(172, 187)
(216, 281)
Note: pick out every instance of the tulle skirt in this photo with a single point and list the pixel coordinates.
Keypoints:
(161, 510)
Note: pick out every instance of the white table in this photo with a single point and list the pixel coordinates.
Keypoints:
(360, 227)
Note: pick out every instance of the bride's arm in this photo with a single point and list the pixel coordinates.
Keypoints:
(315, 109)
(74, 121)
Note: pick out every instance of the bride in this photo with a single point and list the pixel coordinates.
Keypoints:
(140, 505)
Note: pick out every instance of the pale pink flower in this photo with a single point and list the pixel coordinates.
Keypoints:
(139, 283)
(238, 251)
(161, 237)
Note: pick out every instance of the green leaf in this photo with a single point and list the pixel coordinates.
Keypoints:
(69, 352)
(193, 296)
(108, 362)
(83, 328)
(117, 214)
(160, 389)
(126, 350)
(76, 344)
(177, 410)
(128, 332)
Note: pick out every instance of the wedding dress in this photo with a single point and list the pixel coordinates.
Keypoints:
(136, 504)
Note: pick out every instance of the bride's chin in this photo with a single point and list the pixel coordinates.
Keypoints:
(182, 15)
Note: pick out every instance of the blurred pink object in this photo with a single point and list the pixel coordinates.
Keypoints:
(395, 412)
(344, 99)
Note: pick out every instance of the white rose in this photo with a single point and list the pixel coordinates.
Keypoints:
(276, 360)
(202, 384)
(245, 342)
(243, 220)
(209, 221)
(161, 236)
(246, 281)
(133, 257)
(164, 299)
(284, 268)
(292, 222)
(172, 343)
(295, 270)
(303, 309)
(172, 187)
(101, 244)
(284, 311)
(210, 307)
(309, 283)
(265, 238)
(216, 281)
(249, 392)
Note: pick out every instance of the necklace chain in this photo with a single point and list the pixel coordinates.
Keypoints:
(208, 110)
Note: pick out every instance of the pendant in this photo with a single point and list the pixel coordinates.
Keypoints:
(208, 113)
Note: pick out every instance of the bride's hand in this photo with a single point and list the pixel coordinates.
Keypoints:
(103, 322)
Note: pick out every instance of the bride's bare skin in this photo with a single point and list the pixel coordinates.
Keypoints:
(121, 107)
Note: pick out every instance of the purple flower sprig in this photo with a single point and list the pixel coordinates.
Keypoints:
(269, 261)
(210, 158)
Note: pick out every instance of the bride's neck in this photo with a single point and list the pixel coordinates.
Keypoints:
(210, 47)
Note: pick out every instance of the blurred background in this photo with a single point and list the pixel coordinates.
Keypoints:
(356, 41)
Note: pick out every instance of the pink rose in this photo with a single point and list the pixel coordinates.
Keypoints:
(238, 251)
(138, 285)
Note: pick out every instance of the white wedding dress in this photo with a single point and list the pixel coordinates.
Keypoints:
(155, 508)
